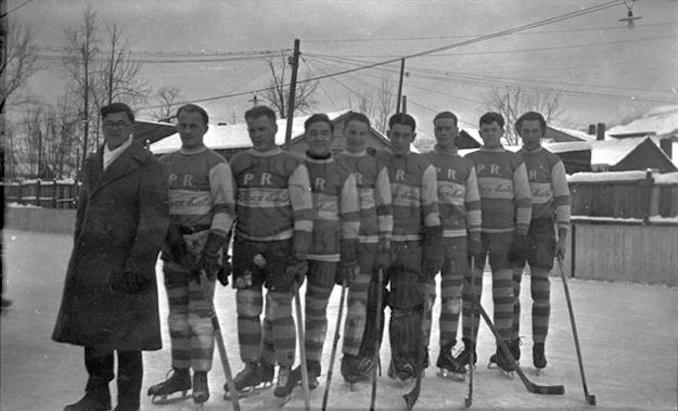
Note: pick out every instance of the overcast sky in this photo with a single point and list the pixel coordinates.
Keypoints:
(605, 71)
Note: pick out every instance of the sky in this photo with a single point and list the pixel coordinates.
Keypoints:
(604, 71)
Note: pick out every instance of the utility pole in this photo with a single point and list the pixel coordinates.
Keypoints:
(254, 100)
(400, 85)
(294, 62)
(404, 104)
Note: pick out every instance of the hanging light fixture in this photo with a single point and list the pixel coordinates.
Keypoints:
(630, 18)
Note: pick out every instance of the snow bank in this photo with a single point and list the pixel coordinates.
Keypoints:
(668, 178)
(607, 176)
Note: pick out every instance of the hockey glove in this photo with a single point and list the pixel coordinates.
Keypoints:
(346, 271)
(475, 246)
(561, 244)
(127, 282)
(301, 241)
(519, 249)
(209, 259)
(432, 256)
(296, 270)
(383, 258)
(225, 270)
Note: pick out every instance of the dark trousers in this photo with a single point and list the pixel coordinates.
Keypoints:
(99, 364)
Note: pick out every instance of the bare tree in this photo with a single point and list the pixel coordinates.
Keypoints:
(377, 107)
(169, 98)
(512, 102)
(19, 60)
(278, 95)
(82, 49)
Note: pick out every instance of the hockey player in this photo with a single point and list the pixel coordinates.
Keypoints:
(506, 209)
(202, 210)
(550, 205)
(332, 256)
(272, 237)
(459, 204)
(374, 239)
(416, 249)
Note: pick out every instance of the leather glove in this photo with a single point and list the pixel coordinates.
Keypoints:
(225, 270)
(209, 258)
(474, 246)
(127, 282)
(296, 270)
(301, 241)
(519, 249)
(383, 258)
(346, 272)
(432, 256)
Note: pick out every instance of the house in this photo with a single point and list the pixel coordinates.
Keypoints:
(630, 153)
(233, 138)
(152, 131)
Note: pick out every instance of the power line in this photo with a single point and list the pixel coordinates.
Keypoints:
(15, 8)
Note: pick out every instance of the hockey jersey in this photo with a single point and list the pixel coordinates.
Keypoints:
(548, 185)
(335, 208)
(201, 191)
(504, 190)
(414, 193)
(458, 197)
(273, 196)
(374, 195)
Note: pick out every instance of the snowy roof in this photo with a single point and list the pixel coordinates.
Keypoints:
(660, 120)
(607, 176)
(581, 135)
(568, 146)
(233, 136)
(613, 151)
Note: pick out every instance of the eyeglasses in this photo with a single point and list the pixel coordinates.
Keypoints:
(119, 124)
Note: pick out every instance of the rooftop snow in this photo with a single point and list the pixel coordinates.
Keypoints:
(660, 120)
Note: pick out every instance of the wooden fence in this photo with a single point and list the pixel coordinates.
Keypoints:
(43, 193)
(629, 194)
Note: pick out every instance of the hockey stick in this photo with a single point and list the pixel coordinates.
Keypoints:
(220, 342)
(379, 312)
(326, 394)
(469, 398)
(302, 347)
(531, 387)
(590, 398)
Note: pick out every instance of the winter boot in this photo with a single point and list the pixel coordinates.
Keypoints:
(448, 366)
(179, 380)
(538, 356)
(464, 358)
(201, 391)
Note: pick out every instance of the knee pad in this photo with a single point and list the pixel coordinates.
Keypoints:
(405, 297)
(451, 305)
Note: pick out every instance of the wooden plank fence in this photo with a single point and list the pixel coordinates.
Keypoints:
(43, 193)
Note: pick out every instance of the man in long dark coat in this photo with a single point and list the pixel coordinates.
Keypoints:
(110, 300)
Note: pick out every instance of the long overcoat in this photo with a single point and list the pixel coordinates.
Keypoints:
(121, 224)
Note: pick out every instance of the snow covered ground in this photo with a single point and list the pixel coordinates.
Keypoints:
(628, 334)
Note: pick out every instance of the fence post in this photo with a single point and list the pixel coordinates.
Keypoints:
(38, 193)
(75, 193)
(573, 246)
(20, 194)
(648, 182)
(55, 202)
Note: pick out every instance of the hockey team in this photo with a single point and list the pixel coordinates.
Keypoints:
(382, 224)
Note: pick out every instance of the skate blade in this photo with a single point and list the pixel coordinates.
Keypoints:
(169, 399)
(281, 401)
(200, 397)
(448, 375)
(250, 391)
(539, 372)
(507, 374)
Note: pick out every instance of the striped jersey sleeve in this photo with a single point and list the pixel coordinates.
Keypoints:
(522, 198)
(561, 197)
(349, 209)
(472, 202)
(301, 199)
(223, 198)
(429, 197)
(382, 197)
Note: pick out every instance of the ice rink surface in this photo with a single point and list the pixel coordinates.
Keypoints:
(628, 335)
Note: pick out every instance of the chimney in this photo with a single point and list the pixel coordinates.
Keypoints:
(667, 146)
(592, 129)
(600, 131)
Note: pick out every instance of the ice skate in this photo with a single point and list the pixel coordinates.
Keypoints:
(403, 374)
(313, 368)
(178, 381)
(92, 401)
(283, 388)
(252, 379)
(201, 392)
(464, 358)
(448, 367)
(514, 347)
(506, 364)
(539, 358)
